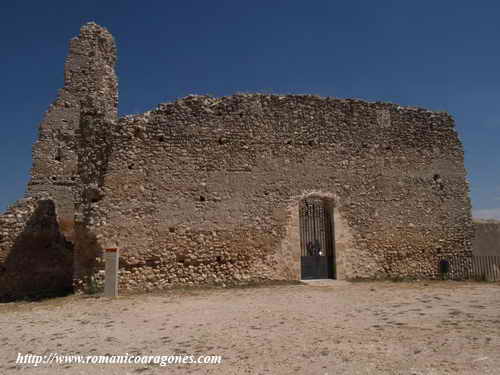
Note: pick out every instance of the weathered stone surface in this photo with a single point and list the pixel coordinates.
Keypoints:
(56, 175)
(88, 77)
(487, 238)
(98, 116)
(35, 258)
(206, 190)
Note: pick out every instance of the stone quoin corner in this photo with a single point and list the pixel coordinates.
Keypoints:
(238, 189)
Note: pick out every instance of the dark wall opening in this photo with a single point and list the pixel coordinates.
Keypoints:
(40, 262)
(317, 240)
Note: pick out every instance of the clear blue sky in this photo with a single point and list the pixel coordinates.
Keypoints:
(443, 55)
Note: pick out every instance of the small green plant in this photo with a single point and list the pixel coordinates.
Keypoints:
(93, 285)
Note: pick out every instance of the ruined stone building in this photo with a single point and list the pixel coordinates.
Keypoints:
(238, 189)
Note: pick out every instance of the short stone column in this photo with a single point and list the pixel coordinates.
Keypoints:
(111, 274)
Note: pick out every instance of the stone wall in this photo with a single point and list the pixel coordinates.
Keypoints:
(58, 172)
(206, 190)
(55, 159)
(35, 258)
(98, 118)
(487, 238)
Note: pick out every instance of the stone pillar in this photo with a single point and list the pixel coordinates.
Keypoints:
(111, 275)
(95, 50)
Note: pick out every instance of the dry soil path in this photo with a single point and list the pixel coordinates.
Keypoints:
(324, 328)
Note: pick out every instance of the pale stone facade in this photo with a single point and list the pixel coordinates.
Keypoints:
(206, 190)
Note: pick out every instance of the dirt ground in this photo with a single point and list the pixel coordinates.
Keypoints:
(323, 328)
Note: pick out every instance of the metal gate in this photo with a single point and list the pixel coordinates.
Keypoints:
(475, 267)
(316, 239)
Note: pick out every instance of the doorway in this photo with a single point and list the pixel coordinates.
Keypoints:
(316, 239)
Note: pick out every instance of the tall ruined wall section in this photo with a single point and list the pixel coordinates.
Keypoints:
(38, 229)
(98, 120)
(55, 171)
(206, 190)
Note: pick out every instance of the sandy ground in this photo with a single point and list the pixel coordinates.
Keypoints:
(323, 328)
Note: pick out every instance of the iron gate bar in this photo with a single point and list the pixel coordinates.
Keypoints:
(476, 267)
(316, 238)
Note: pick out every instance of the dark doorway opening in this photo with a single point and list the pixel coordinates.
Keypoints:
(40, 261)
(316, 239)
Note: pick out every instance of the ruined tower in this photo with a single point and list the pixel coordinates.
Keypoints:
(37, 233)
(90, 88)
